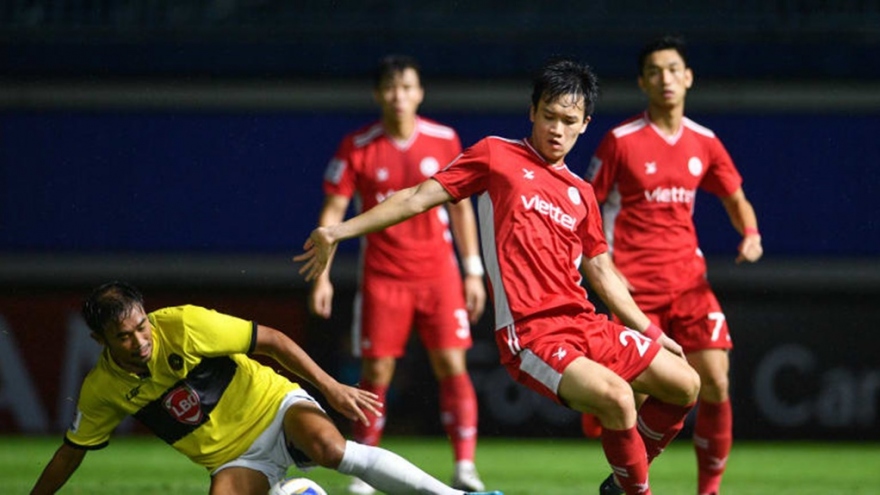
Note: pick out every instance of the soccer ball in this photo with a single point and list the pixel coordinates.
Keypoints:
(296, 486)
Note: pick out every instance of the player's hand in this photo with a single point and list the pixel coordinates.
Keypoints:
(321, 298)
(319, 248)
(750, 249)
(351, 402)
(671, 345)
(474, 297)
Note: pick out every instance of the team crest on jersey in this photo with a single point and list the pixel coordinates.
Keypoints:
(183, 404)
(574, 195)
(695, 166)
(175, 362)
(429, 166)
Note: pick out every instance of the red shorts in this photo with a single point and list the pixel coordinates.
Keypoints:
(537, 350)
(386, 310)
(693, 317)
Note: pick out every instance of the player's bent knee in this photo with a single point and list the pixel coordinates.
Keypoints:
(690, 387)
(616, 409)
(327, 451)
(714, 389)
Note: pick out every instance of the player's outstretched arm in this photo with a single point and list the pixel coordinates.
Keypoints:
(404, 204)
(742, 216)
(349, 401)
(63, 464)
(602, 275)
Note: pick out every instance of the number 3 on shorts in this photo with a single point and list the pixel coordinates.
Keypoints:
(638, 338)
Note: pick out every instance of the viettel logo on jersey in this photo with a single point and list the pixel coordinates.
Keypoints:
(183, 404)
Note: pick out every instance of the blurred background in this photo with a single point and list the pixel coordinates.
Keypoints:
(180, 145)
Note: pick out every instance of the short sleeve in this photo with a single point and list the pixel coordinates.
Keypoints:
(209, 333)
(722, 178)
(339, 176)
(468, 174)
(592, 234)
(94, 420)
(603, 167)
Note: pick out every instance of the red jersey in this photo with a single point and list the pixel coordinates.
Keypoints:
(537, 222)
(647, 182)
(374, 166)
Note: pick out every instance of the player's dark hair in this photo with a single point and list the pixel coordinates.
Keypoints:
(665, 42)
(390, 65)
(561, 77)
(109, 304)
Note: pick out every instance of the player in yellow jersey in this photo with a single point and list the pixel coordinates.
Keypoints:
(186, 374)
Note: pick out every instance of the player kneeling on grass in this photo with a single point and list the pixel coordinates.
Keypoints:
(540, 223)
(186, 374)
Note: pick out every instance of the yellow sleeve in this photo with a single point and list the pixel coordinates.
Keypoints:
(96, 418)
(209, 333)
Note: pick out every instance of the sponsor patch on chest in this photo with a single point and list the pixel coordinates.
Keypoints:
(183, 404)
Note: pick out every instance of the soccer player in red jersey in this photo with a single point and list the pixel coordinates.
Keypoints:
(411, 276)
(646, 173)
(541, 231)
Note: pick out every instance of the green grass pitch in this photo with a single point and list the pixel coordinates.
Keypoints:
(146, 466)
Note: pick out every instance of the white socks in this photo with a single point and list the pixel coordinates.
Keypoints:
(388, 472)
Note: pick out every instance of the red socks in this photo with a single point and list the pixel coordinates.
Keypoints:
(659, 423)
(458, 413)
(591, 426)
(371, 435)
(625, 452)
(713, 438)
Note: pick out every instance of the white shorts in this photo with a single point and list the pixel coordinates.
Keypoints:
(269, 453)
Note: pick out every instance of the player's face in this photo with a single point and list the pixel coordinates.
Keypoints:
(131, 342)
(665, 79)
(556, 126)
(400, 95)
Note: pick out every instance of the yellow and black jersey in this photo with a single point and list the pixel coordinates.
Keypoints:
(203, 394)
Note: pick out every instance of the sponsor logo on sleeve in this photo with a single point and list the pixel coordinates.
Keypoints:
(334, 170)
(77, 419)
(593, 168)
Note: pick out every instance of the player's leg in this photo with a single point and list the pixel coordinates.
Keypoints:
(442, 323)
(713, 429)
(550, 356)
(269, 456)
(312, 432)
(376, 376)
(458, 414)
(656, 308)
(239, 480)
(672, 387)
(382, 321)
(589, 387)
(701, 328)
